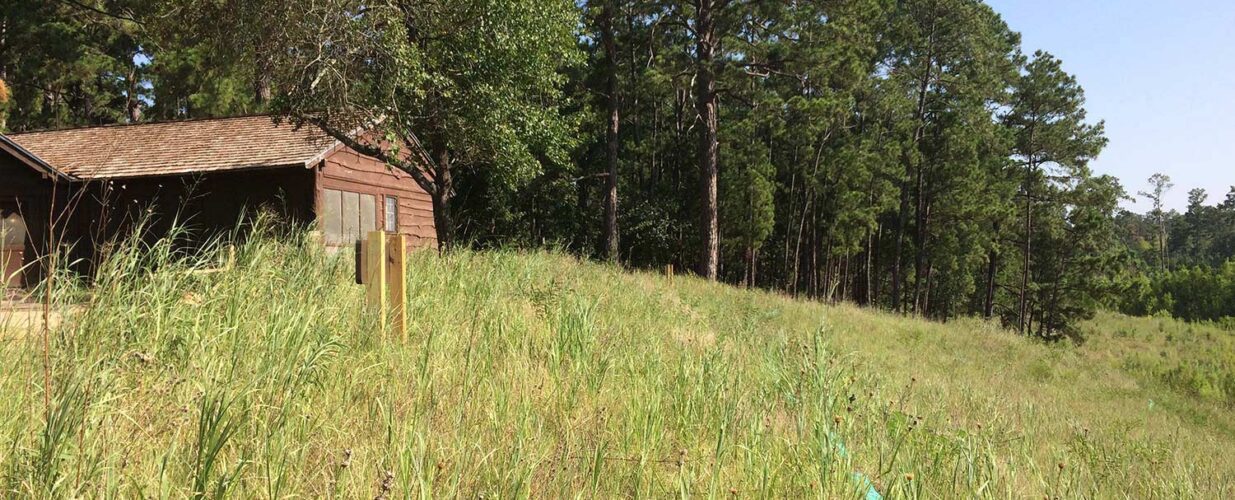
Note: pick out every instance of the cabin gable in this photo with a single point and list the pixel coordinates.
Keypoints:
(358, 193)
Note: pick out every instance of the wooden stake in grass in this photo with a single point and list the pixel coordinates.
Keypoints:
(384, 271)
(373, 272)
(396, 286)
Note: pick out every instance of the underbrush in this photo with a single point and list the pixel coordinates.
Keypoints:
(536, 375)
(1195, 358)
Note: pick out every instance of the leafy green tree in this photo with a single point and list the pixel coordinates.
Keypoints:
(479, 81)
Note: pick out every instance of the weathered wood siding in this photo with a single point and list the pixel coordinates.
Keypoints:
(207, 204)
(204, 205)
(23, 195)
(18, 179)
(350, 172)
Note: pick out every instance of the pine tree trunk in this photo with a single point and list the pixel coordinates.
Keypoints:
(902, 220)
(876, 266)
(611, 134)
(1024, 294)
(916, 171)
(755, 268)
(132, 104)
(706, 104)
(920, 236)
(1162, 238)
(748, 274)
(992, 267)
(912, 170)
(868, 262)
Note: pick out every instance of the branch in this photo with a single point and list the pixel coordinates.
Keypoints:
(375, 152)
(96, 10)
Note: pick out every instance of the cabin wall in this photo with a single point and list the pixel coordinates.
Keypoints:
(346, 180)
(204, 205)
(92, 216)
(24, 195)
(20, 180)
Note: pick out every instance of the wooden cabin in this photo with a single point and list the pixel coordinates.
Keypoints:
(93, 184)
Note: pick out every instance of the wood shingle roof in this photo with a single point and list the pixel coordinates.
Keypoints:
(173, 148)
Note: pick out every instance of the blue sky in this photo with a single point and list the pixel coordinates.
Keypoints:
(1162, 75)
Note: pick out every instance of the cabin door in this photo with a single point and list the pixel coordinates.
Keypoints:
(12, 246)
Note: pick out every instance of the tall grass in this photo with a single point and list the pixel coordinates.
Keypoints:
(534, 375)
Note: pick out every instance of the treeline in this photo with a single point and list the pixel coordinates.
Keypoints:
(1180, 264)
(907, 154)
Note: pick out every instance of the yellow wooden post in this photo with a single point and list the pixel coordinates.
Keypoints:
(374, 272)
(669, 272)
(396, 284)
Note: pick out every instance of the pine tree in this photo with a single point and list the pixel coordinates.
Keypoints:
(1052, 145)
(1159, 184)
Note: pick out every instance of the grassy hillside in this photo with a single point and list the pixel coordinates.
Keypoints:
(535, 375)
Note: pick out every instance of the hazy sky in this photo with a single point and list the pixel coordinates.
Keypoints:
(1162, 75)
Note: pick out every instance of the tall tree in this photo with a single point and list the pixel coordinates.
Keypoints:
(478, 81)
(1159, 184)
(1078, 258)
(951, 63)
(1053, 143)
(613, 107)
(707, 45)
(72, 64)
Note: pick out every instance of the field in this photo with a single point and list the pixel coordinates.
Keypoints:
(537, 375)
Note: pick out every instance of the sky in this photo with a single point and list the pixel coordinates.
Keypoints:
(1162, 76)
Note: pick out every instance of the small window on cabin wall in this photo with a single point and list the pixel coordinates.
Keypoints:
(392, 214)
(346, 216)
(12, 230)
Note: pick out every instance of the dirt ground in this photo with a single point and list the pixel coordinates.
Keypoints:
(21, 318)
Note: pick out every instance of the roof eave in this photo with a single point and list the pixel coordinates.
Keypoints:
(189, 173)
(31, 159)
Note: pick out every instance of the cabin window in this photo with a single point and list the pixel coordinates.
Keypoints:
(12, 246)
(346, 216)
(12, 230)
(392, 214)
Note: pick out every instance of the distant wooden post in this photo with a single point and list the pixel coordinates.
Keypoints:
(384, 271)
(373, 272)
(396, 278)
(669, 272)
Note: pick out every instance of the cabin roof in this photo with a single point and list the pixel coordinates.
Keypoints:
(175, 148)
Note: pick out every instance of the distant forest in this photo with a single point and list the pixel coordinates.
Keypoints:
(903, 154)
